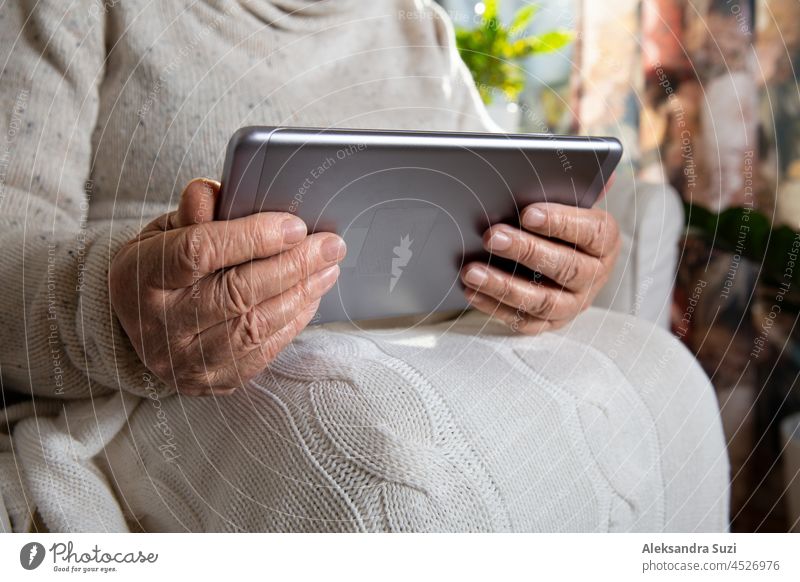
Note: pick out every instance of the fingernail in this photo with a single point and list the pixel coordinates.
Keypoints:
(476, 276)
(326, 278)
(499, 241)
(294, 230)
(333, 249)
(209, 186)
(534, 218)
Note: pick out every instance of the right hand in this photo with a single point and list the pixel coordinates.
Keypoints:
(208, 304)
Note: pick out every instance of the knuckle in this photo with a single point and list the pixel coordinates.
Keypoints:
(304, 292)
(598, 239)
(297, 262)
(307, 260)
(252, 330)
(192, 249)
(263, 231)
(236, 292)
(268, 224)
(543, 305)
(568, 272)
(505, 288)
(559, 223)
(528, 252)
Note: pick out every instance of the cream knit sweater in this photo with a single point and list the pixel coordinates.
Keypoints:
(109, 108)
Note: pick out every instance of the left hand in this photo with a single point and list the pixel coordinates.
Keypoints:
(574, 248)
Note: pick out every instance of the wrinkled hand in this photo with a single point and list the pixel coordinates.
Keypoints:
(208, 304)
(574, 248)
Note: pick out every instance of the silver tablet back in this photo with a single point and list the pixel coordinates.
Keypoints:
(411, 206)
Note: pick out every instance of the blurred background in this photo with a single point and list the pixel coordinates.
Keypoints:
(704, 96)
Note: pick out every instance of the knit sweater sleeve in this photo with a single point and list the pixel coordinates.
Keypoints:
(58, 334)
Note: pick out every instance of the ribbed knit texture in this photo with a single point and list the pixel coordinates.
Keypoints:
(109, 109)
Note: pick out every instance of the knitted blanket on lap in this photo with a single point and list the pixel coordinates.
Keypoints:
(459, 426)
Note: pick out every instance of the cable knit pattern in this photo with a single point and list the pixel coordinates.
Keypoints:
(459, 426)
(110, 108)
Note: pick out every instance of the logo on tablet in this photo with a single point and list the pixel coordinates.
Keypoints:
(31, 555)
(402, 255)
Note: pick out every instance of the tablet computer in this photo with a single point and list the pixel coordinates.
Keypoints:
(411, 206)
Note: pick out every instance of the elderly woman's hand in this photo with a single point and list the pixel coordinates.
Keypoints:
(574, 248)
(208, 304)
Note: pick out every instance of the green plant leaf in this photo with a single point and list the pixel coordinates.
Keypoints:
(491, 49)
(522, 19)
(554, 40)
(490, 10)
(524, 47)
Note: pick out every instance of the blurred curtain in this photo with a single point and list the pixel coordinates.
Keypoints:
(778, 52)
(608, 71)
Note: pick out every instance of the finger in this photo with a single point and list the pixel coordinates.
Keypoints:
(592, 230)
(559, 262)
(197, 203)
(259, 359)
(518, 321)
(233, 292)
(255, 329)
(529, 297)
(255, 361)
(182, 256)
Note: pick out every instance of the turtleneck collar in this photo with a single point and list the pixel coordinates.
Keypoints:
(300, 14)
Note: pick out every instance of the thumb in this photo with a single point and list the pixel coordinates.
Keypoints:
(197, 203)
